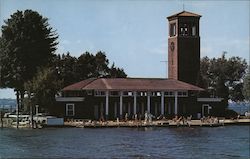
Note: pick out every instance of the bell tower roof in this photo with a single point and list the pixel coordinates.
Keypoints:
(184, 14)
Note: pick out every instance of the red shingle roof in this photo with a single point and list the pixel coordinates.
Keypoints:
(184, 14)
(132, 84)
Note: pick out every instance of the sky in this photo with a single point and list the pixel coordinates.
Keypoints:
(134, 33)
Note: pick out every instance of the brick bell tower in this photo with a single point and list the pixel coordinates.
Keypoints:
(184, 47)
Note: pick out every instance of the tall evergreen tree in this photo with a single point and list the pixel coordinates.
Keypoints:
(27, 44)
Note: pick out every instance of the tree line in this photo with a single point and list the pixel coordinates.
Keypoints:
(29, 65)
(28, 62)
(223, 77)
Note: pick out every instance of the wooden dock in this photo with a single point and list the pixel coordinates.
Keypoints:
(81, 123)
(157, 123)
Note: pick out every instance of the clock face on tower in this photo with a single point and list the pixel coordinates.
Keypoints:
(172, 46)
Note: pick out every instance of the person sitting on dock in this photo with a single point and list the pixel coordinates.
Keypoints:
(146, 117)
(189, 120)
(126, 117)
(136, 117)
(175, 118)
(160, 117)
(102, 118)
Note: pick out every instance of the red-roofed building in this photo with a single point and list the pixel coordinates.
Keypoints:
(115, 97)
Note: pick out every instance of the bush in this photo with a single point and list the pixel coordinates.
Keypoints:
(230, 114)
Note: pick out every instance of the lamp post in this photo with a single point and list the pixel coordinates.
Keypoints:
(17, 109)
(31, 95)
(37, 106)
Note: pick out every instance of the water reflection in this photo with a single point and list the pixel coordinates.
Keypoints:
(154, 142)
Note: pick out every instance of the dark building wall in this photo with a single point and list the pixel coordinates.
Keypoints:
(188, 59)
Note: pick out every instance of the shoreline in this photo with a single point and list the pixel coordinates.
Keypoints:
(136, 124)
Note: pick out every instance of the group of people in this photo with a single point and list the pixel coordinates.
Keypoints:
(182, 119)
(209, 119)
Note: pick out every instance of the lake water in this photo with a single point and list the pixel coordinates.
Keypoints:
(198, 142)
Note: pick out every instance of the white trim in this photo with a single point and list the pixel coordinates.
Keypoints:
(70, 99)
(209, 99)
(134, 102)
(67, 109)
(162, 103)
(107, 103)
(148, 102)
(121, 102)
(175, 103)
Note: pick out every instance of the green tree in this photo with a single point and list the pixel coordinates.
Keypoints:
(94, 66)
(66, 68)
(86, 66)
(115, 72)
(44, 86)
(246, 86)
(227, 72)
(27, 44)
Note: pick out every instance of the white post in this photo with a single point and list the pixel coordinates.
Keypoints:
(148, 102)
(162, 103)
(175, 103)
(107, 104)
(121, 93)
(134, 102)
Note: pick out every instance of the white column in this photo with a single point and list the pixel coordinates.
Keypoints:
(107, 104)
(175, 103)
(148, 102)
(134, 102)
(162, 103)
(121, 93)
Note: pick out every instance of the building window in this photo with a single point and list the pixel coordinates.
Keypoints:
(100, 93)
(193, 31)
(114, 93)
(127, 93)
(172, 30)
(89, 92)
(182, 94)
(184, 30)
(70, 109)
(142, 94)
(169, 94)
(156, 94)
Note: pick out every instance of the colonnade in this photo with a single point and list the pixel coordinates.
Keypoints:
(135, 103)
